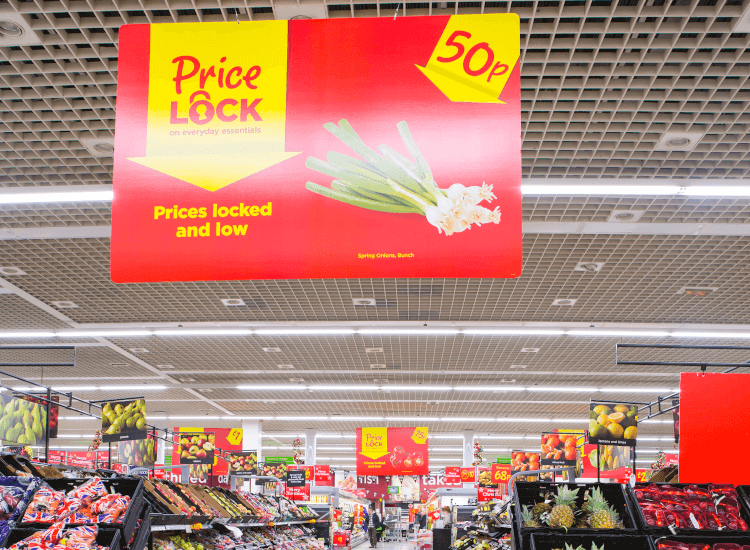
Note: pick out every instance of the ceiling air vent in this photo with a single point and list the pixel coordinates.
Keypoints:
(373, 350)
(298, 380)
(589, 267)
(378, 366)
(15, 31)
(99, 147)
(139, 350)
(625, 216)
(286, 367)
(164, 366)
(64, 304)
(564, 302)
(11, 271)
(530, 350)
(229, 302)
(364, 301)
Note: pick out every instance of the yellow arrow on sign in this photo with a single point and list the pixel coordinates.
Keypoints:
(475, 56)
(216, 101)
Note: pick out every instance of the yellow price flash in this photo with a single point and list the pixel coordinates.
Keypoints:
(475, 56)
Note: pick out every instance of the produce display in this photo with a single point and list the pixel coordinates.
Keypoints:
(124, 418)
(476, 541)
(665, 544)
(580, 547)
(87, 503)
(243, 463)
(714, 507)
(197, 448)
(58, 536)
(283, 538)
(171, 495)
(21, 421)
(560, 510)
(613, 422)
(387, 181)
(140, 452)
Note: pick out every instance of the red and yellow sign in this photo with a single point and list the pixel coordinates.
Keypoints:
(242, 147)
(224, 438)
(468, 474)
(500, 474)
(392, 451)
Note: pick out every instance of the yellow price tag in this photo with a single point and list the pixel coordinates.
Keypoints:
(475, 56)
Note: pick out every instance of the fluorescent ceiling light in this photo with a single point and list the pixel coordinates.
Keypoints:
(27, 334)
(246, 418)
(598, 190)
(446, 436)
(193, 417)
(291, 387)
(301, 418)
(283, 434)
(652, 421)
(96, 333)
(335, 436)
(148, 387)
(635, 390)
(445, 449)
(412, 419)
(489, 388)
(655, 334)
(80, 196)
(427, 331)
(711, 334)
(514, 332)
(418, 388)
(74, 388)
(716, 191)
(336, 447)
(522, 420)
(561, 389)
(152, 417)
(448, 419)
(334, 417)
(445, 460)
(578, 420)
(311, 331)
(344, 387)
(203, 332)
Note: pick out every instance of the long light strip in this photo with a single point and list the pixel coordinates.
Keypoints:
(145, 387)
(55, 197)
(418, 387)
(113, 333)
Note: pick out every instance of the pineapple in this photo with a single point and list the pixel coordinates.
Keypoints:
(562, 513)
(528, 518)
(601, 514)
(541, 508)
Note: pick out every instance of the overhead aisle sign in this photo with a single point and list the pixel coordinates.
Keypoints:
(314, 149)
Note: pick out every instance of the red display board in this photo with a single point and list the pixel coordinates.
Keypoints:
(713, 410)
(453, 474)
(392, 451)
(323, 475)
(224, 167)
(468, 474)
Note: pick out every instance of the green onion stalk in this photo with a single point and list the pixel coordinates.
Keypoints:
(387, 181)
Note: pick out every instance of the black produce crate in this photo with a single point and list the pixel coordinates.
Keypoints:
(108, 538)
(702, 539)
(143, 531)
(666, 531)
(129, 486)
(529, 493)
(549, 541)
(199, 516)
(744, 492)
(160, 514)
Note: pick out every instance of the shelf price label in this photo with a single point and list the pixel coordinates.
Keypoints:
(475, 56)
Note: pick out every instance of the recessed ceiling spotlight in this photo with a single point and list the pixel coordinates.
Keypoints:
(10, 29)
(64, 304)
(696, 290)
(99, 147)
(530, 350)
(205, 390)
(233, 302)
(625, 216)
(11, 271)
(508, 380)
(363, 301)
(187, 379)
(164, 366)
(564, 302)
(272, 350)
(517, 366)
(678, 141)
(286, 367)
(139, 350)
(298, 380)
(377, 366)
(119, 364)
(373, 350)
(589, 267)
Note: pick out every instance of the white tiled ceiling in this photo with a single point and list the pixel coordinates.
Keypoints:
(602, 82)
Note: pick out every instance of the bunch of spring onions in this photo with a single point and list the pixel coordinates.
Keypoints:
(391, 182)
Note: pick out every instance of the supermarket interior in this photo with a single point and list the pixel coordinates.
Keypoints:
(326, 275)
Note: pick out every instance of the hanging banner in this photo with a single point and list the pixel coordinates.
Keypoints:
(484, 477)
(614, 461)
(500, 474)
(558, 449)
(21, 421)
(124, 420)
(713, 408)
(226, 439)
(275, 469)
(295, 478)
(468, 475)
(485, 494)
(392, 451)
(197, 448)
(374, 487)
(322, 474)
(54, 412)
(453, 474)
(297, 493)
(613, 423)
(138, 453)
(245, 462)
(235, 159)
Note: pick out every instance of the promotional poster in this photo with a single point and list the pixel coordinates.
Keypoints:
(392, 451)
(22, 421)
(124, 420)
(245, 462)
(197, 448)
(259, 150)
(226, 439)
(613, 423)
